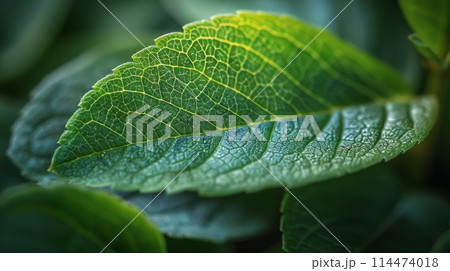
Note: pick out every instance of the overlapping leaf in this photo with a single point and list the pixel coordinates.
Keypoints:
(364, 109)
(367, 212)
(431, 22)
(69, 219)
(183, 215)
(54, 100)
(186, 215)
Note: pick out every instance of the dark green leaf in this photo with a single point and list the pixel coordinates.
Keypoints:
(366, 212)
(364, 109)
(69, 219)
(9, 109)
(416, 222)
(187, 215)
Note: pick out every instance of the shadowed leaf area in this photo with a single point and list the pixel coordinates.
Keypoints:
(367, 212)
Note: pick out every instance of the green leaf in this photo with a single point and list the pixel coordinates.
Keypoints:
(180, 215)
(422, 215)
(430, 20)
(364, 109)
(367, 212)
(423, 48)
(186, 215)
(53, 101)
(69, 219)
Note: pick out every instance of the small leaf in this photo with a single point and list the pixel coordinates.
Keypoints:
(364, 109)
(430, 20)
(447, 60)
(186, 215)
(367, 212)
(423, 48)
(69, 219)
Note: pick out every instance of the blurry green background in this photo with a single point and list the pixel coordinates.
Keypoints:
(38, 36)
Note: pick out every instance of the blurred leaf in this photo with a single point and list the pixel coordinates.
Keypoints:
(53, 101)
(70, 219)
(443, 243)
(352, 207)
(423, 48)
(366, 212)
(187, 215)
(447, 60)
(226, 63)
(414, 225)
(27, 27)
(431, 21)
(276, 248)
(138, 16)
(9, 111)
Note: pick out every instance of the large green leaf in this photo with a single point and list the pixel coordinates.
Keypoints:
(69, 219)
(180, 215)
(364, 109)
(431, 22)
(367, 212)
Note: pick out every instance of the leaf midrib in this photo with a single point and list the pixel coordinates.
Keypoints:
(399, 98)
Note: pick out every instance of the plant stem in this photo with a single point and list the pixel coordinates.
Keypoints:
(423, 155)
